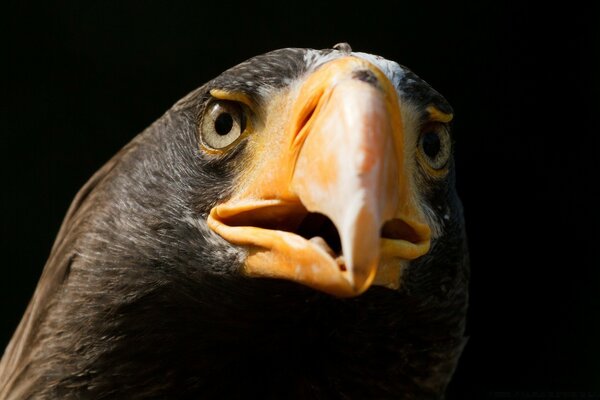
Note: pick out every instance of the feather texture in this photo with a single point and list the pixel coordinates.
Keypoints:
(139, 299)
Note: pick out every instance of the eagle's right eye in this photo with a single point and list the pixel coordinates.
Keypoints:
(222, 124)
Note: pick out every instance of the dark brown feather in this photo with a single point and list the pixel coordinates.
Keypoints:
(139, 299)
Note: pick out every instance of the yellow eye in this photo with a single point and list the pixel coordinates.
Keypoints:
(435, 146)
(222, 124)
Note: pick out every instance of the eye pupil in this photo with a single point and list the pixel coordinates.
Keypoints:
(431, 144)
(223, 124)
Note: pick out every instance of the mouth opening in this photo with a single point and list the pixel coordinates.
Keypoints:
(316, 228)
(396, 229)
(319, 229)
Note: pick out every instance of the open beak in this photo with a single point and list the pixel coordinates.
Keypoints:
(329, 202)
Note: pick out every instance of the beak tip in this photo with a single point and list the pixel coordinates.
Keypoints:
(361, 278)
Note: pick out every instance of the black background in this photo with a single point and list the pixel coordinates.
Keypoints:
(82, 78)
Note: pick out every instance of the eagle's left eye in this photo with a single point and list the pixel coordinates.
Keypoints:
(435, 146)
(222, 124)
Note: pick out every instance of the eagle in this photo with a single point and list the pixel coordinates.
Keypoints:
(289, 230)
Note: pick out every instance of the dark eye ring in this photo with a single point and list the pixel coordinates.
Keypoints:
(223, 122)
(435, 146)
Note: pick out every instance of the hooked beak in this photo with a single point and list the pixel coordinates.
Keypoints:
(330, 204)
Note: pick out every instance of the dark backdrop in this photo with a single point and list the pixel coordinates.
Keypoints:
(82, 78)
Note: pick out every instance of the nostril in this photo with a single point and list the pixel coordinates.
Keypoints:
(306, 117)
(366, 76)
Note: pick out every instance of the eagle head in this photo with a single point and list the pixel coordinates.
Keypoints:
(290, 229)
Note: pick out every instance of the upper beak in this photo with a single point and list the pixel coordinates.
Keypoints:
(342, 155)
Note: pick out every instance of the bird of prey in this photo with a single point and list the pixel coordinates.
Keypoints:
(289, 230)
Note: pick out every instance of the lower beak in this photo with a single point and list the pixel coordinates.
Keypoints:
(342, 157)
